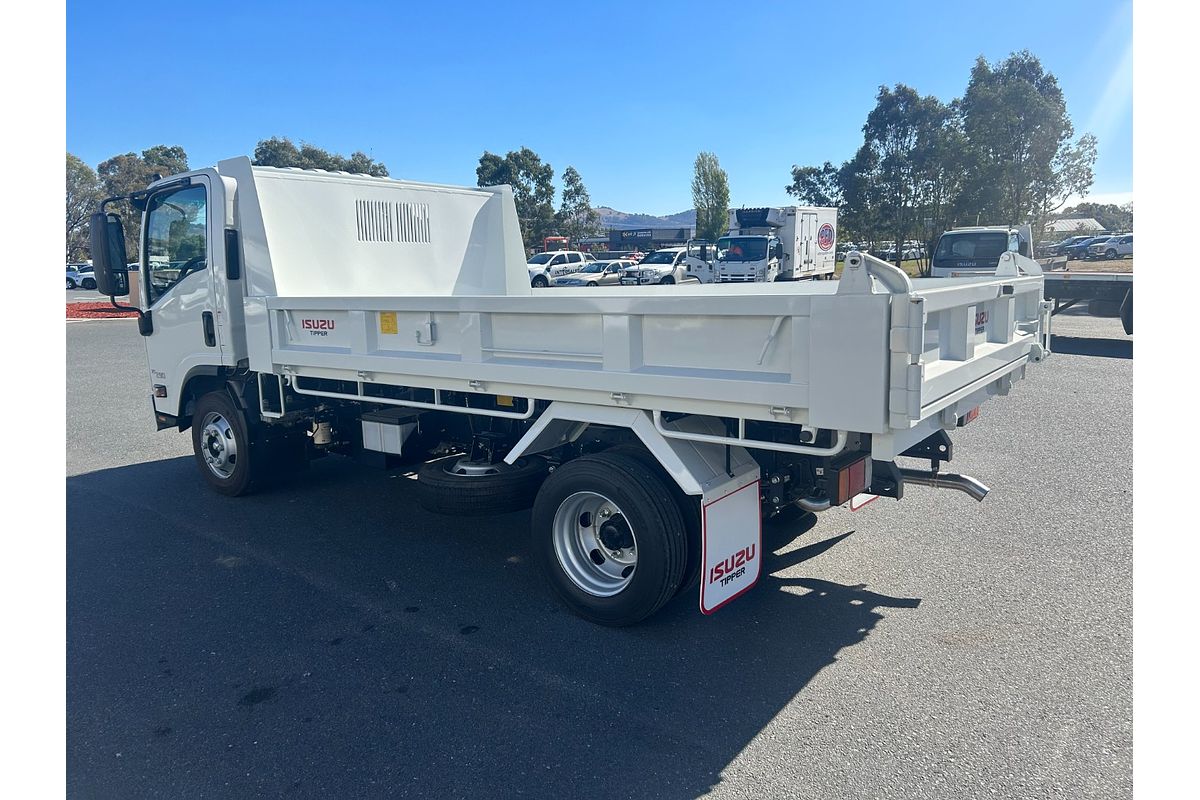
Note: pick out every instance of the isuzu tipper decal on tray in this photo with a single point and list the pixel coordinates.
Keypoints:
(317, 327)
(732, 545)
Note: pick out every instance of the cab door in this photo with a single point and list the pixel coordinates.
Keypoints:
(178, 287)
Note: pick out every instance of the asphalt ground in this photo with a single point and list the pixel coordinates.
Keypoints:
(331, 639)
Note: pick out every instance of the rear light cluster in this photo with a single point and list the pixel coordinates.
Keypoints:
(850, 478)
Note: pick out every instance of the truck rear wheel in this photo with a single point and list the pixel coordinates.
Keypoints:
(689, 508)
(229, 460)
(610, 538)
(455, 485)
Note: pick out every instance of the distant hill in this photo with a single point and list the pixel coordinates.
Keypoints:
(611, 218)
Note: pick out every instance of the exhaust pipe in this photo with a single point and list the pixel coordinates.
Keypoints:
(814, 504)
(946, 480)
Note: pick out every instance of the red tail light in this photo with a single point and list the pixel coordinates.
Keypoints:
(852, 478)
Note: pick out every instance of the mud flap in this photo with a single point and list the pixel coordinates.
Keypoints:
(732, 540)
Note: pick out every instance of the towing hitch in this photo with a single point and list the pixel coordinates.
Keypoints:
(946, 480)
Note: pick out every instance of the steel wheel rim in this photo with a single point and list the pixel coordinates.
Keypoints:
(591, 562)
(218, 444)
(465, 468)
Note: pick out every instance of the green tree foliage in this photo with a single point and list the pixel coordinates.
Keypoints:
(816, 186)
(1016, 124)
(1002, 154)
(710, 195)
(127, 173)
(576, 218)
(83, 196)
(282, 152)
(532, 183)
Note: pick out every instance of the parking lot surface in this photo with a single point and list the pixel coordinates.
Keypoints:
(331, 639)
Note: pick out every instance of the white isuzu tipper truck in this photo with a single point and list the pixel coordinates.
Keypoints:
(778, 244)
(288, 314)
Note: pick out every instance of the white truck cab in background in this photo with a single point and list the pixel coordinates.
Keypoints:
(777, 244)
(977, 250)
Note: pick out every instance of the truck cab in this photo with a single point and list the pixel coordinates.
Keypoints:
(777, 244)
(976, 250)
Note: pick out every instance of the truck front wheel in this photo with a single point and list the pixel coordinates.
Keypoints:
(227, 458)
(610, 538)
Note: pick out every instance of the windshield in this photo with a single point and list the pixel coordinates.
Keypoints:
(594, 266)
(984, 247)
(541, 258)
(660, 257)
(176, 223)
(741, 248)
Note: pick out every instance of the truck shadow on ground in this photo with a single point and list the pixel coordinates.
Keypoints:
(366, 644)
(1087, 346)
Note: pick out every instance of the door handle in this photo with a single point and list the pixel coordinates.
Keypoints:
(210, 329)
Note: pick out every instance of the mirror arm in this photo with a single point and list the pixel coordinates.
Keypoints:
(145, 322)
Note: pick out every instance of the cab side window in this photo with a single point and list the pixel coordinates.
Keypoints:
(176, 238)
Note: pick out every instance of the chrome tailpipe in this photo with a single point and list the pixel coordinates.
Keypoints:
(814, 504)
(946, 480)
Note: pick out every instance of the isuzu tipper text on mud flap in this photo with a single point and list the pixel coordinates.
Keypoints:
(288, 314)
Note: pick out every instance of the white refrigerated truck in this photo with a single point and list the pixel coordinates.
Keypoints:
(289, 313)
(777, 244)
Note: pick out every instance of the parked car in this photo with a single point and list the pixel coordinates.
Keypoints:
(600, 273)
(1079, 249)
(545, 267)
(1112, 248)
(87, 276)
(81, 276)
(1059, 248)
(665, 266)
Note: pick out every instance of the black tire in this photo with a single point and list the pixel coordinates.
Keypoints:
(592, 283)
(251, 457)
(689, 508)
(1110, 254)
(89, 283)
(70, 283)
(651, 513)
(1127, 313)
(443, 487)
(667, 281)
(539, 282)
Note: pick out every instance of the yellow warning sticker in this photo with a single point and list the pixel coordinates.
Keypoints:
(504, 400)
(387, 322)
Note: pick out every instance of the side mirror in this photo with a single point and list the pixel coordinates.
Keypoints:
(108, 255)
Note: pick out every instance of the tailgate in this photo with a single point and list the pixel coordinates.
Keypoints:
(951, 339)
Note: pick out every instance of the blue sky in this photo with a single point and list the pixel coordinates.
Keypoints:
(627, 93)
